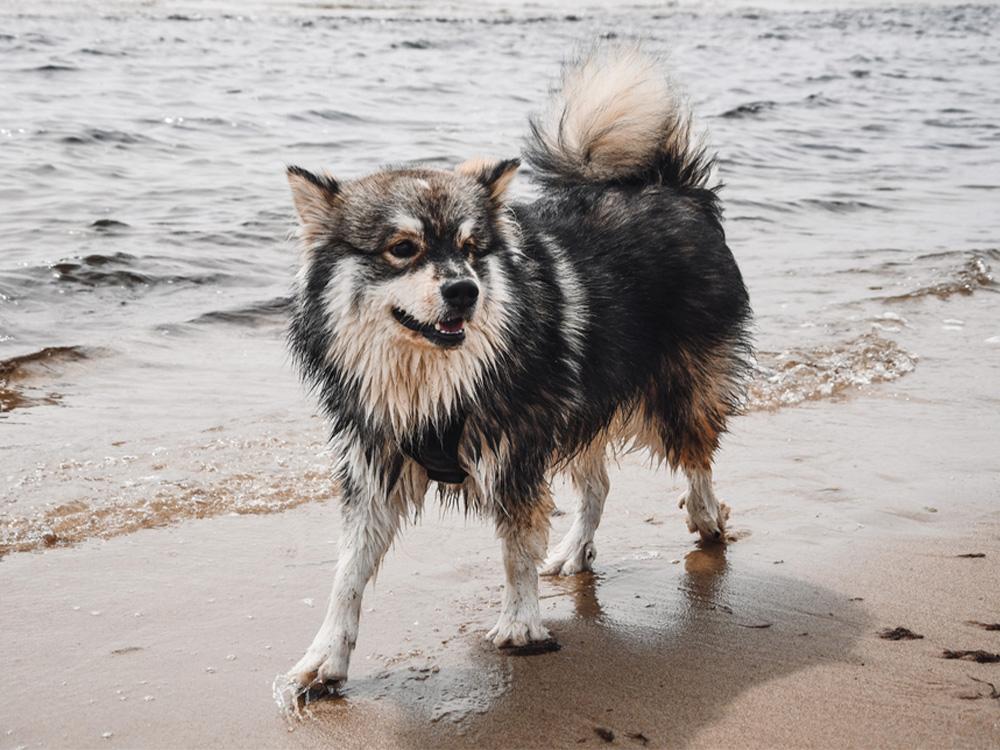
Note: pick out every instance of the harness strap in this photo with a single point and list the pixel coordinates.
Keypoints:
(437, 452)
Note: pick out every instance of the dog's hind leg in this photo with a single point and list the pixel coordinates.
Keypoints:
(576, 552)
(523, 538)
(689, 406)
(706, 514)
(692, 448)
(370, 521)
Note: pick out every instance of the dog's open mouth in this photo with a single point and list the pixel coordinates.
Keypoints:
(446, 332)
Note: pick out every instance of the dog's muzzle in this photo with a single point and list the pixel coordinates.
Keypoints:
(447, 332)
(460, 301)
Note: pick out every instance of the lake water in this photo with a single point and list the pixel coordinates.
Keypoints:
(144, 251)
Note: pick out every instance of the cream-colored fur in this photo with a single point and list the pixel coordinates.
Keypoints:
(406, 380)
(615, 109)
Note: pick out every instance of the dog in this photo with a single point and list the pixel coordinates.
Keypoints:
(458, 338)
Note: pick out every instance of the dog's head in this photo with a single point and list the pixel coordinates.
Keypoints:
(406, 268)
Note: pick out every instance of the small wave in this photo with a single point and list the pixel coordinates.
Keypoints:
(750, 109)
(100, 270)
(115, 271)
(333, 115)
(412, 44)
(180, 122)
(842, 206)
(108, 224)
(973, 275)
(51, 68)
(795, 376)
(101, 135)
(14, 371)
(26, 365)
(102, 52)
(167, 503)
(256, 314)
(818, 100)
(126, 271)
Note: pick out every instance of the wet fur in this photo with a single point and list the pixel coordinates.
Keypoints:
(611, 313)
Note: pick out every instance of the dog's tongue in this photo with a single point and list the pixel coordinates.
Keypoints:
(451, 326)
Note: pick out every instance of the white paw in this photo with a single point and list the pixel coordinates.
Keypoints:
(563, 562)
(708, 521)
(512, 632)
(324, 664)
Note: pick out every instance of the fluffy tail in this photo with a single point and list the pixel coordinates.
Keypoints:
(616, 118)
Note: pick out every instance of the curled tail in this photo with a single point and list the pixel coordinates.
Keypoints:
(616, 118)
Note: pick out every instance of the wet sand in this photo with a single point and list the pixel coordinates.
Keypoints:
(845, 526)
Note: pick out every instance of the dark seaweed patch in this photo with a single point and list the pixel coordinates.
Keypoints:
(978, 655)
(984, 625)
(899, 634)
(605, 734)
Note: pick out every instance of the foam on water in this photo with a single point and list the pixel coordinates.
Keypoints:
(797, 375)
(973, 275)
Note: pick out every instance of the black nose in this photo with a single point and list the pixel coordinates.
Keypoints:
(460, 294)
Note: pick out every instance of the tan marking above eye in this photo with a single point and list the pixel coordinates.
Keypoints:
(464, 233)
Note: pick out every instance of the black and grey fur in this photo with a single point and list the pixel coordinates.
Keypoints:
(452, 336)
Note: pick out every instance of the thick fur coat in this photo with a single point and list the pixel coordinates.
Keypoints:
(453, 337)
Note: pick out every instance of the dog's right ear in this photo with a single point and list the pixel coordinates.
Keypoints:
(314, 196)
(493, 174)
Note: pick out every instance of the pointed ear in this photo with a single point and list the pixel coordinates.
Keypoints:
(314, 196)
(493, 174)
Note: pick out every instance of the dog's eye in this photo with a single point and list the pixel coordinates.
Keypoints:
(403, 249)
(469, 246)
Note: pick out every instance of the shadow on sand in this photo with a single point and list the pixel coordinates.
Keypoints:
(650, 654)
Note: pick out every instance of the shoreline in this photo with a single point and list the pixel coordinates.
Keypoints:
(680, 645)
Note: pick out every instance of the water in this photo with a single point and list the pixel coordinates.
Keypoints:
(144, 253)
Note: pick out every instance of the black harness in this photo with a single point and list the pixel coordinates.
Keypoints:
(437, 452)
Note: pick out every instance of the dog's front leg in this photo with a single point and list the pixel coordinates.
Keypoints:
(370, 521)
(524, 540)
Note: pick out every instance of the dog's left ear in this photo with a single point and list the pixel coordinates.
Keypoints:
(493, 174)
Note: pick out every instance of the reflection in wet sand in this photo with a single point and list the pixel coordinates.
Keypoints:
(582, 591)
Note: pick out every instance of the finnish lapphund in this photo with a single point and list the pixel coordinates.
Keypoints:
(455, 337)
